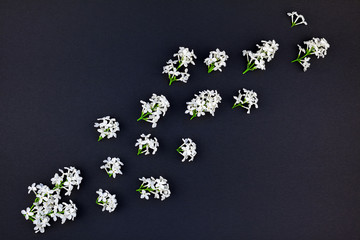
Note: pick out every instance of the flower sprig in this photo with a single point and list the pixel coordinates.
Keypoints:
(187, 149)
(266, 52)
(47, 205)
(152, 110)
(107, 128)
(315, 46)
(216, 60)
(174, 67)
(296, 19)
(206, 101)
(145, 144)
(246, 100)
(107, 200)
(112, 166)
(156, 186)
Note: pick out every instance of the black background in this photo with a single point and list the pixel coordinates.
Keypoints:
(288, 171)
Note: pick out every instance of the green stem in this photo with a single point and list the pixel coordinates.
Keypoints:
(100, 138)
(144, 115)
(146, 189)
(194, 114)
(239, 105)
(179, 150)
(211, 68)
(140, 150)
(308, 52)
(173, 77)
(250, 67)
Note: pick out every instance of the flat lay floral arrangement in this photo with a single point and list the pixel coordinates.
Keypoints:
(47, 204)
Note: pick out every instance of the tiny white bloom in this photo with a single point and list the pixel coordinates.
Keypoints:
(107, 127)
(216, 60)
(145, 144)
(206, 101)
(145, 195)
(296, 19)
(154, 109)
(112, 166)
(177, 69)
(187, 149)
(246, 99)
(27, 213)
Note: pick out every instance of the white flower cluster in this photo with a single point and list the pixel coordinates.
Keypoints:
(174, 67)
(47, 203)
(206, 101)
(246, 100)
(157, 186)
(187, 149)
(216, 60)
(152, 110)
(107, 128)
(266, 52)
(315, 46)
(296, 19)
(145, 143)
(106, 200)
(112, 166)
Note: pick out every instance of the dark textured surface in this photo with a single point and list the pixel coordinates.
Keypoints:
(288, 171)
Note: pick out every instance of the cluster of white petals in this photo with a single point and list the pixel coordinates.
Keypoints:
(206, 101)
(177, 69)
(47, 203)
(69, 178)
(154, 109)
(315, 46)
(246, 99)
(145, 144)
(107, 127)
(187, 149)
(296, 19)
(156, 186)
(265, 53)
(216, 60)
(106, 200)
(112, 166)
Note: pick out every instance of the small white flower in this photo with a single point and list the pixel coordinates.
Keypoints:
(145, 144)
(145, 195)
(112, 166)
(187, 149)
(32, 188)
(315, 46)
(296, 19)
(27, 213)
(206, 101)
(174, 67)
(154, 109)
(266, 52)
(57, 180)
(70, 210)
(216, 60)
(106, 200)
(246, 100)
(159, 187)
(107, 128)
